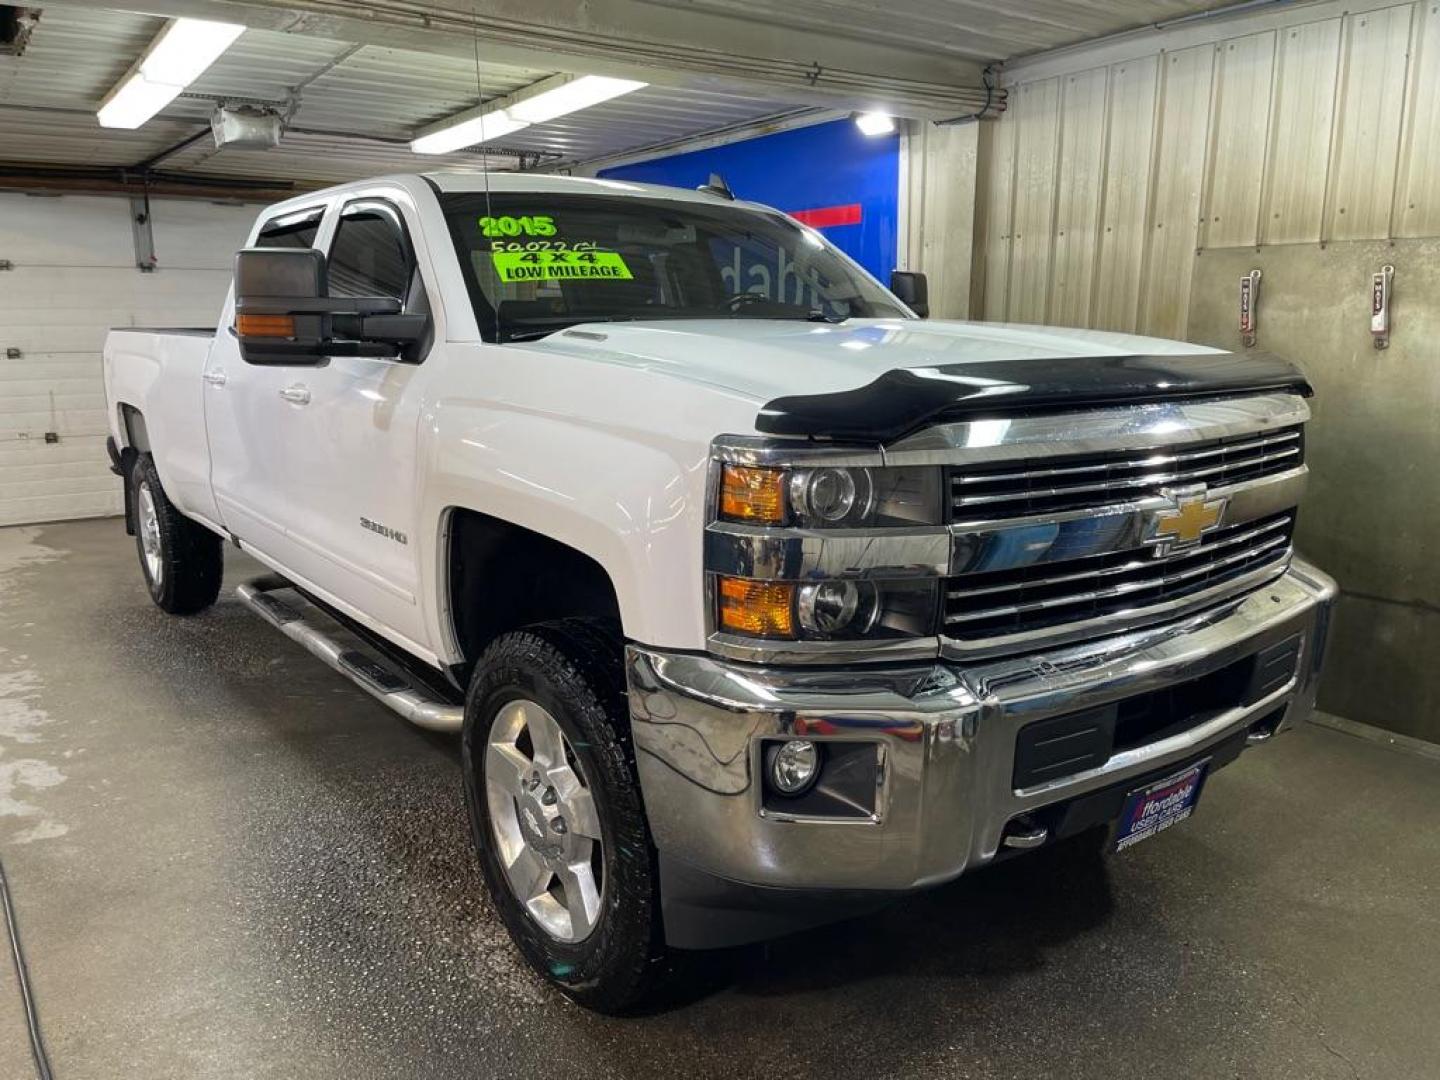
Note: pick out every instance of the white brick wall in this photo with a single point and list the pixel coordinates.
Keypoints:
(74, 277)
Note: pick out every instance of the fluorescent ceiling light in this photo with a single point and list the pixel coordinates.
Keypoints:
(185, 49)
(134, 101)
(175, 59)
(478, 129)
(537, 104)
(579, 94)
(875, 123)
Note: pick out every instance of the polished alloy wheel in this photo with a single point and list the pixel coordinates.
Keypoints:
(150, 533)
(545, 824)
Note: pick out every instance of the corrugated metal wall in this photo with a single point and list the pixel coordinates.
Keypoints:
(937, 211)
(1311, 125)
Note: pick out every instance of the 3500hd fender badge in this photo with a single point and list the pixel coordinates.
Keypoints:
(384, 530)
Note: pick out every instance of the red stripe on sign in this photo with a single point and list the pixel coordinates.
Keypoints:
(825, 216)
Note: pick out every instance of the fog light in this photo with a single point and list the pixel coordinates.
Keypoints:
(794, 766)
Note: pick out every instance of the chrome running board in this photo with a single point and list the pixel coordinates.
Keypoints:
(379, 678)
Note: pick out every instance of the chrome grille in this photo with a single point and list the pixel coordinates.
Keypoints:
(1001, 490)
(1132, 584)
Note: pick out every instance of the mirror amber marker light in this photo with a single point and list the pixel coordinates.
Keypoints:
(275, 326)
(752, 494)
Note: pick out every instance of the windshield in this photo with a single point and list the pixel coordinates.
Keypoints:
(538, 262)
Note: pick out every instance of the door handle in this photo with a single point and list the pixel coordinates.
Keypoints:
(214, 378)
(297, 394)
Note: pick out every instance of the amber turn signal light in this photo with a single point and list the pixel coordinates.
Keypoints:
(757, 608)
(753, 494)
(265, 325)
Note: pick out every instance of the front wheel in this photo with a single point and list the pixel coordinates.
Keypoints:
(182, 561)
(555, 810)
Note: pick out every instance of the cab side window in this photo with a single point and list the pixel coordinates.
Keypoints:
(295, 230)
(371, 254)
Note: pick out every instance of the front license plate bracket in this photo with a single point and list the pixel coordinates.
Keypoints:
(1150, 810)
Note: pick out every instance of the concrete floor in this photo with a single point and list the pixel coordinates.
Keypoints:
(229, 863)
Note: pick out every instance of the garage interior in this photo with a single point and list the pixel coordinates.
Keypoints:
(225, 860)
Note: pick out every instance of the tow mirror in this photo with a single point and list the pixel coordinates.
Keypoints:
(913, 290)
(284, 315)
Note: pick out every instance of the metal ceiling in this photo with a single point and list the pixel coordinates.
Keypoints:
(352, 108)
(976, 29)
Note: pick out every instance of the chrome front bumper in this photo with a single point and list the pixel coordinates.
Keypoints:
(946, 737)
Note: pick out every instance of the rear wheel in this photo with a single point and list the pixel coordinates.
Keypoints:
(555, 810)
(183, 562)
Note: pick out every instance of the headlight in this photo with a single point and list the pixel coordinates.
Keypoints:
(830, 497)
(828, 608)
(839, 610)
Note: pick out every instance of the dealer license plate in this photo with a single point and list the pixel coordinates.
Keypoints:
(1153, 809)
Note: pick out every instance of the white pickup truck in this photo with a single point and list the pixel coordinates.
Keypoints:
(757, 598)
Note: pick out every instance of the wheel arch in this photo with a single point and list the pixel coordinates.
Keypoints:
(132, 426)
(500, 576)
(135, 441)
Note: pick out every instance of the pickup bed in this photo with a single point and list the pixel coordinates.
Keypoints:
(756, 598)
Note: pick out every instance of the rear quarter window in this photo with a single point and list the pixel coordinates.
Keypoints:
(294, 230)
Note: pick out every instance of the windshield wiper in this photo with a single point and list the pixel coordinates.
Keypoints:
(744, 305)
(526, 330)
(533, 335)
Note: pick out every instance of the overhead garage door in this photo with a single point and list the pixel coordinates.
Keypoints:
(72, 277)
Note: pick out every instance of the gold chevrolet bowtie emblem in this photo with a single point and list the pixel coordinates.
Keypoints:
(1194, 515)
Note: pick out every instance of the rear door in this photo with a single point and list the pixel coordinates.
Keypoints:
(349, 443)
(248, 421)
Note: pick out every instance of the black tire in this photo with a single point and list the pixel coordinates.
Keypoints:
(184, 572)
(573, 668)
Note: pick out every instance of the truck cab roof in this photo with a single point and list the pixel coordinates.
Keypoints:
(574, 185)
(475, 182)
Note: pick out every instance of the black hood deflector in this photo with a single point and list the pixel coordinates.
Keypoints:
(906, 399)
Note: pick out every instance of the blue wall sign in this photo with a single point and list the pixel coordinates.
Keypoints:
(831, 176)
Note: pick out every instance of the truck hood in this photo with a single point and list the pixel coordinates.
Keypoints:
(879, 378)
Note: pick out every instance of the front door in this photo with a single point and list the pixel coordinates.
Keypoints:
(352, 489)
(248, 421)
